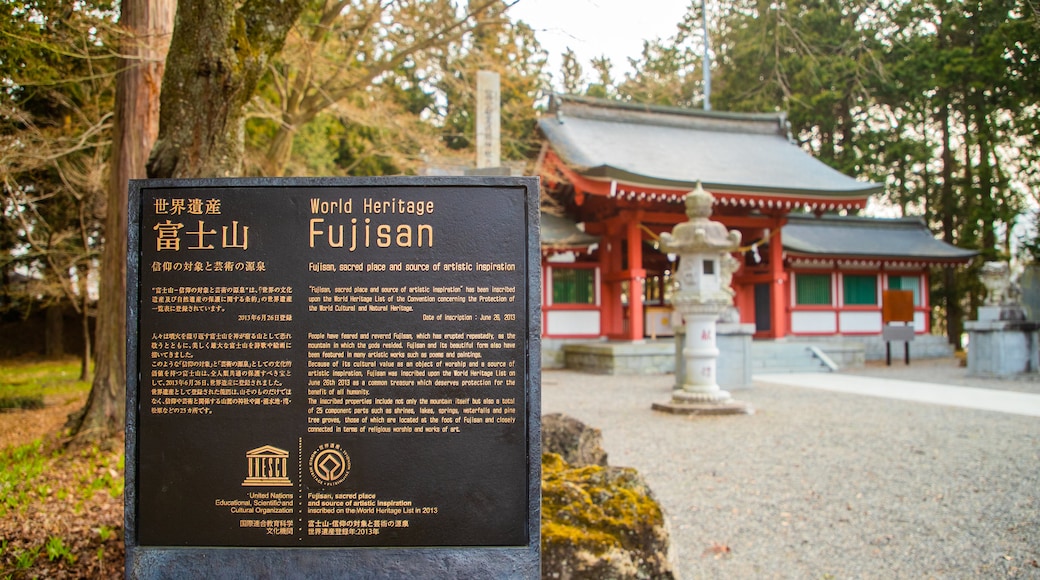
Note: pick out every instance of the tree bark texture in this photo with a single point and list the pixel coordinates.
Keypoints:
(84, 316)
(54, 333)
(148, 24)
(949, 208)
(217, 55)
(280, 151)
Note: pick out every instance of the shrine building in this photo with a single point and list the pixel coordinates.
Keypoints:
(614, 176)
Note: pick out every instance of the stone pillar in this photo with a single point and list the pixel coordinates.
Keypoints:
(734, 366)
(488, 121)
(1002, 343)
(700, 355)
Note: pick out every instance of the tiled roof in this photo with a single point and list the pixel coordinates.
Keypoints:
(562, 233)
(833, 236)
(676, 148)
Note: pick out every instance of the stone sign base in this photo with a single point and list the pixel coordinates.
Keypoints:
(1002, 313)
(649, 357)
(730, 407)
(1001, 348)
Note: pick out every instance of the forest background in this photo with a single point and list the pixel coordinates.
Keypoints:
(937, 99)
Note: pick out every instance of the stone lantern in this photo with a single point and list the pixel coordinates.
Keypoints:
(705, 271)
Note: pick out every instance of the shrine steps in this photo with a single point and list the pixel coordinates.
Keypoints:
(770, 356)
(761, 356)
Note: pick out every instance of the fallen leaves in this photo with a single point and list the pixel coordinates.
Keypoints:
(69, 520)
(717, 550)
(22, 426)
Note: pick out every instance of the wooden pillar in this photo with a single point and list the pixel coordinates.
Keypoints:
(635, 274)
(617, 312)
(610, 299)
(926, 306)
(779, 291)
(546, 291)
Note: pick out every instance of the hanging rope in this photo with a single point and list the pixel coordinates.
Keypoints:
(754, 246)
(650, 232)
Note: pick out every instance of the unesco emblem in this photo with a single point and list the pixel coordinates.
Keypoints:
(329, 464)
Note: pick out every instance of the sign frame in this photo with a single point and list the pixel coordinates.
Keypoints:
(522, 561)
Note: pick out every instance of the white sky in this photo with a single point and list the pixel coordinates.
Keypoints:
(592, 28)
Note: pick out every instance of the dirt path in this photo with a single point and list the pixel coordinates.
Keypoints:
(19, 427)
(62, 518)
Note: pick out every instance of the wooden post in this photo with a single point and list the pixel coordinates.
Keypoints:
(636, 273)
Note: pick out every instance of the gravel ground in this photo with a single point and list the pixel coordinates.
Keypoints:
(826, 485)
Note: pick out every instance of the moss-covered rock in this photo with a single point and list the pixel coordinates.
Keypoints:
(576, 442)
(600, 522)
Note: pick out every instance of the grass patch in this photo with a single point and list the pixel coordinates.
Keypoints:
(19, 469)
(60, 512)
(100, 475)
(57, 550)
(21, 402)
(25, 384)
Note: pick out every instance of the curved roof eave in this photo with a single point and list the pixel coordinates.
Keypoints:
(793, 254)
(731, 157)
(837, 237)
(559, 232)
(609, 173)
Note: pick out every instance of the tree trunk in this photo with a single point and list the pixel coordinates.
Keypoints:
(148, 24)
(948, 207)
(84, 364)
(987, 200)
(280, 151)
(54, 333)
(217, 56)
(84, 312)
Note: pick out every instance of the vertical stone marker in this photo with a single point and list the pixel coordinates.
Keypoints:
(489, 120)
(333, 378)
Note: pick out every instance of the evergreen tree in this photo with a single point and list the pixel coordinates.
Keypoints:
(57, 67)
(511, 50)
(368, 64)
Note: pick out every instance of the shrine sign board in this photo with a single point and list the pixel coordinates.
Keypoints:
(343, 372)
(897, 306)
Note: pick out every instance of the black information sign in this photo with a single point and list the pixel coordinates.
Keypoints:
(332, 363)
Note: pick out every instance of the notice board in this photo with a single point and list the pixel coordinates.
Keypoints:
(327, 367)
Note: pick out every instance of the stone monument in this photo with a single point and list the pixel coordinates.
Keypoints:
(1002, 342)
(704, 248)
(1002, 293)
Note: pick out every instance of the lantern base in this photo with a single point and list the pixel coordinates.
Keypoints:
(729, 407)
(700, 394)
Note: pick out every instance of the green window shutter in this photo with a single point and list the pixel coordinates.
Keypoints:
(812, 289)
(860, 290)
(907, 283)
(574, 286)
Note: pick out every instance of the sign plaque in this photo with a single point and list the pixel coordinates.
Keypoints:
(897, 306)
(342, 372)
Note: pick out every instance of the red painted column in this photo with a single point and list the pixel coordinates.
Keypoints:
(612, 317)
(779, 282)
(926, 306)
(606, 294)
(636, 274)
